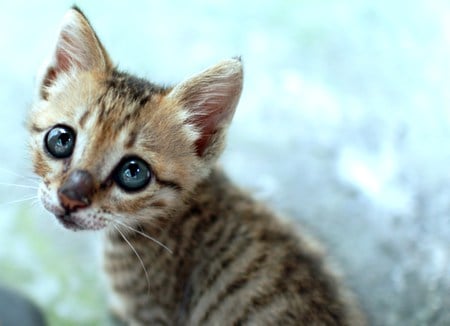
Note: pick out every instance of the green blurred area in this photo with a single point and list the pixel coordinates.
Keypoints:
(66, 288)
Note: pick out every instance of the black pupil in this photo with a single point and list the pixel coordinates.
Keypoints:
(132, 174)
(132, 171)
(63, 140)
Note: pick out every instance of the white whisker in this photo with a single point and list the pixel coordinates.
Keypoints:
(31, 178)
(19, 200)
(35, 202)
(18, 185)
(137, 255)
(145, 235)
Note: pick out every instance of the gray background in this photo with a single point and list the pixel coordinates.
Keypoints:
(343, 126)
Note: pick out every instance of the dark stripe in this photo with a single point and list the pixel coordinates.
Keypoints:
(134, 88)
(144, 99)
(171, 184)
(102, 110)
(260, 302)
(239, 282)
(131, 140)
(159, 203)
(175, 231)
(235, 250)
(194, 211)
(257, 304)
(183, 245)
(130, 116)
(289, 317)
(47, 82)
(201, 227)
(302, 276)
(35, 128)
(83, 118)
(188, 242)
(204, 225)
(232, 235)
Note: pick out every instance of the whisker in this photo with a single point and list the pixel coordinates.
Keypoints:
(18, 185)
(18, 200)
(137, 255)
(28, 177)
(145, 235)
(35, 202)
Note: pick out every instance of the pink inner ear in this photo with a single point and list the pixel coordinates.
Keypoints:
(62, 64)
(209, 123)
(70, 54)
(208, 130)
(63, 61)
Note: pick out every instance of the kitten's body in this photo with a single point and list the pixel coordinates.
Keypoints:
(217, 258)
(233, 263)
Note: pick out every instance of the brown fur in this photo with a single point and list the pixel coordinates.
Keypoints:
(218, 257)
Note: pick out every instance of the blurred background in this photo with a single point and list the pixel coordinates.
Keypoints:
(343, 126)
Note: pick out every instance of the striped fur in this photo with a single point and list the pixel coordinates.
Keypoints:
(190, 248)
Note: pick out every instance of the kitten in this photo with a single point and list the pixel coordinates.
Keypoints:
(184, 246)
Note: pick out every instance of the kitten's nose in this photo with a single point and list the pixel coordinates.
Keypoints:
(77, 190)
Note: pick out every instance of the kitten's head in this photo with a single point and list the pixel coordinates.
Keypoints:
(113, 148)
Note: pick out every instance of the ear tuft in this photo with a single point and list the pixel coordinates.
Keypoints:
(76, 8)
(210, 99)
(77, 49)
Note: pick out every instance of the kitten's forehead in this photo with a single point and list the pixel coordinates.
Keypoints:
(138, 91)
(111, 124)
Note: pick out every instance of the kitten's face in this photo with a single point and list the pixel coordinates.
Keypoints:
(100, 125)
(113, 149)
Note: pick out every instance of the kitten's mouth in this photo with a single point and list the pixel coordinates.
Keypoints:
(77, 223)
(69, 222)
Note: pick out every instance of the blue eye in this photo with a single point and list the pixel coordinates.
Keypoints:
(132, 174)
(60, 141)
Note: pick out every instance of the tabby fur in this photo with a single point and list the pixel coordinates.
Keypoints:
(190, 248)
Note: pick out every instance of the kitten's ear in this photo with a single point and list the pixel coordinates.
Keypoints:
(210, 99)
(77, 49)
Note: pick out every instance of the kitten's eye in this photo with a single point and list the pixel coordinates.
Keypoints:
(132, 174)
(60, 141)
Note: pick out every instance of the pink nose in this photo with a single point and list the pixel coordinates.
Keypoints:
(76, 192)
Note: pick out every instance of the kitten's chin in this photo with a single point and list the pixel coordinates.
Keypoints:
(68, 223)
(75, 223)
